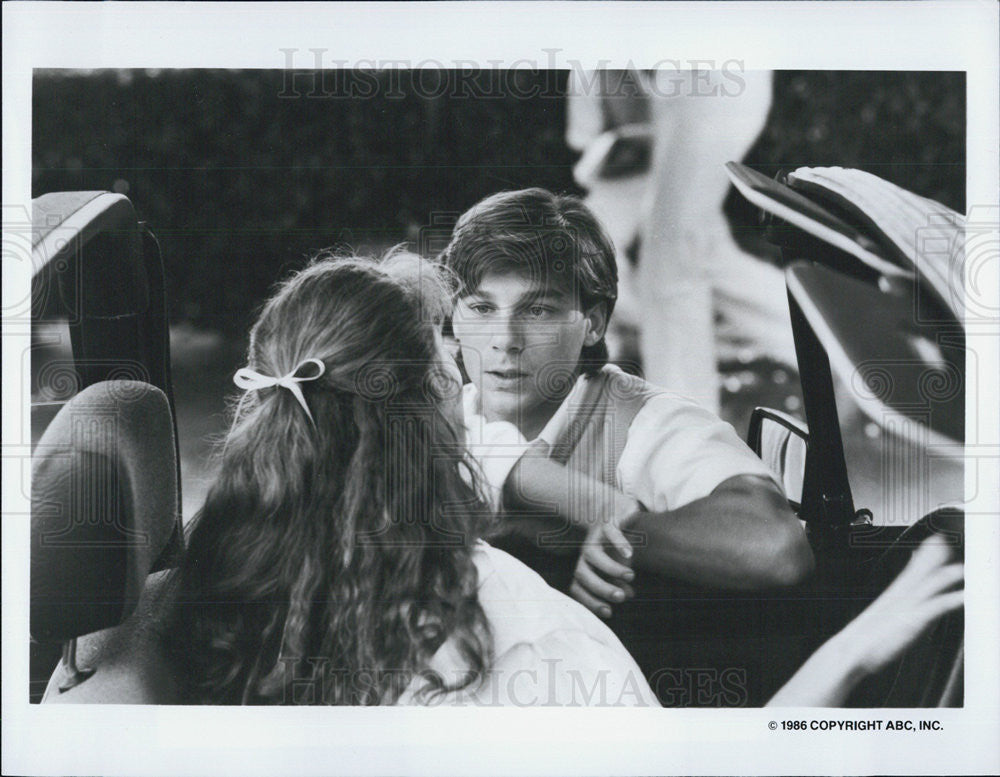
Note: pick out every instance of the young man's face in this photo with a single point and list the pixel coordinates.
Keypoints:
(520, 341)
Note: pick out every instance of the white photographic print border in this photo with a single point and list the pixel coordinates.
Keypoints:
(84, 739)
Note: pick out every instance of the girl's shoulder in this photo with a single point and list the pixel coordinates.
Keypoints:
(523, 609)
(548, 649)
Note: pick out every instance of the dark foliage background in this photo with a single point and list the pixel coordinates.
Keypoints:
(240, 182)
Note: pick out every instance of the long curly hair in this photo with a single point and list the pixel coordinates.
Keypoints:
(333, 556)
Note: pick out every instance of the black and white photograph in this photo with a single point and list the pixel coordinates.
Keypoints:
(585, 406)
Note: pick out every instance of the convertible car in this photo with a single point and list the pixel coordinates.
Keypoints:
(106, 485)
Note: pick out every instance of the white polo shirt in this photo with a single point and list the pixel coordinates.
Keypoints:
(675, 451)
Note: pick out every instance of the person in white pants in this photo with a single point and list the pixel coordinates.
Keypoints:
(694, 288)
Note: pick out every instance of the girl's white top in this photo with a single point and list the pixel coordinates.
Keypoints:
(549, 649)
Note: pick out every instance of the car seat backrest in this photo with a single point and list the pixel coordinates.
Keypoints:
(104, 502)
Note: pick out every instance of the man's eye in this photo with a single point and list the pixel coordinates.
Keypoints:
(537, 311)
(481, 308)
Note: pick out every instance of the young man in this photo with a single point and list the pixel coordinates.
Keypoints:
(640, 478)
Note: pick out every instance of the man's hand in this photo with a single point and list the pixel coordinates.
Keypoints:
(603, 571)
(603, 575)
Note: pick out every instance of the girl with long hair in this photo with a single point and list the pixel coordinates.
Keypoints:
(335, 548)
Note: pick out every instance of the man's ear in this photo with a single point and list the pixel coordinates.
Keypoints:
(597, 323)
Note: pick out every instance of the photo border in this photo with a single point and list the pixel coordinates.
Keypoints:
(784, 35)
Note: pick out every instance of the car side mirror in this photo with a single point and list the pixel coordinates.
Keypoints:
(781, 442)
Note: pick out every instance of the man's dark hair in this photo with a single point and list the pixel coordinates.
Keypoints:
(552, 238)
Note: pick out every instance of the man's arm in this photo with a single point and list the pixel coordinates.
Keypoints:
(741, 536)
(537, 484)
(565, 497)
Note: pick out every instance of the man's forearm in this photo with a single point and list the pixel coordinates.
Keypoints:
(742, 536)
(539, 485)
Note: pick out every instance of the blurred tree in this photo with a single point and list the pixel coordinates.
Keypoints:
(241, 179)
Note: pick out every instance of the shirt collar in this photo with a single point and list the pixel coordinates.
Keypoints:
(560, 419)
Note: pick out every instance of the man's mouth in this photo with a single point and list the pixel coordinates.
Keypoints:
(506, 376)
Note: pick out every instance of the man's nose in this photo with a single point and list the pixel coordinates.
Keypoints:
(509, 333)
